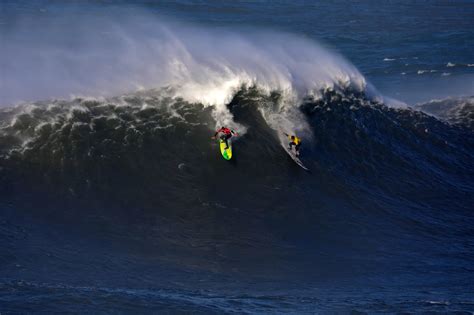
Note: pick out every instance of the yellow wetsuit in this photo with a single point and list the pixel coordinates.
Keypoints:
(295, 140)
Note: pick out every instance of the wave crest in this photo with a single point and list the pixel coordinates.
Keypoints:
(199, 64)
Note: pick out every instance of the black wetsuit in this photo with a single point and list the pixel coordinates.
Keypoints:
(297, 146)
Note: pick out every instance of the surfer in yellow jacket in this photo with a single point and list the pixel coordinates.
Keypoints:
(294, 141)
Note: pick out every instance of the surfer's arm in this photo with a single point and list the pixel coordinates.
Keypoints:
(217, 131)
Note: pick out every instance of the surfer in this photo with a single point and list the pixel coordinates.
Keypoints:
(226, 135)
(294, 141)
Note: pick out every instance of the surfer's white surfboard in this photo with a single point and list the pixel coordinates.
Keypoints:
(292, 154)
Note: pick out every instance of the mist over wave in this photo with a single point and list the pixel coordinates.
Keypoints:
(94, 56)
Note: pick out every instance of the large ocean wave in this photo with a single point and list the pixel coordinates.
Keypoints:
(119, 181)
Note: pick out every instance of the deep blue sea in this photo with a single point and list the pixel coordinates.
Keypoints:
(115, 199)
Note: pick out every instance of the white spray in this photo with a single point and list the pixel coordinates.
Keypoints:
(122, 53)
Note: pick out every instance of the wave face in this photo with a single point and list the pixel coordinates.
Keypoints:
(138, 173)
(121, 200)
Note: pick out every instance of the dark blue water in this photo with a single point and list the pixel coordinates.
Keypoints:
(114, 199)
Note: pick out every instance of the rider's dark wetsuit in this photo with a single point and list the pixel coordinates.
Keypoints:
(226, 135)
